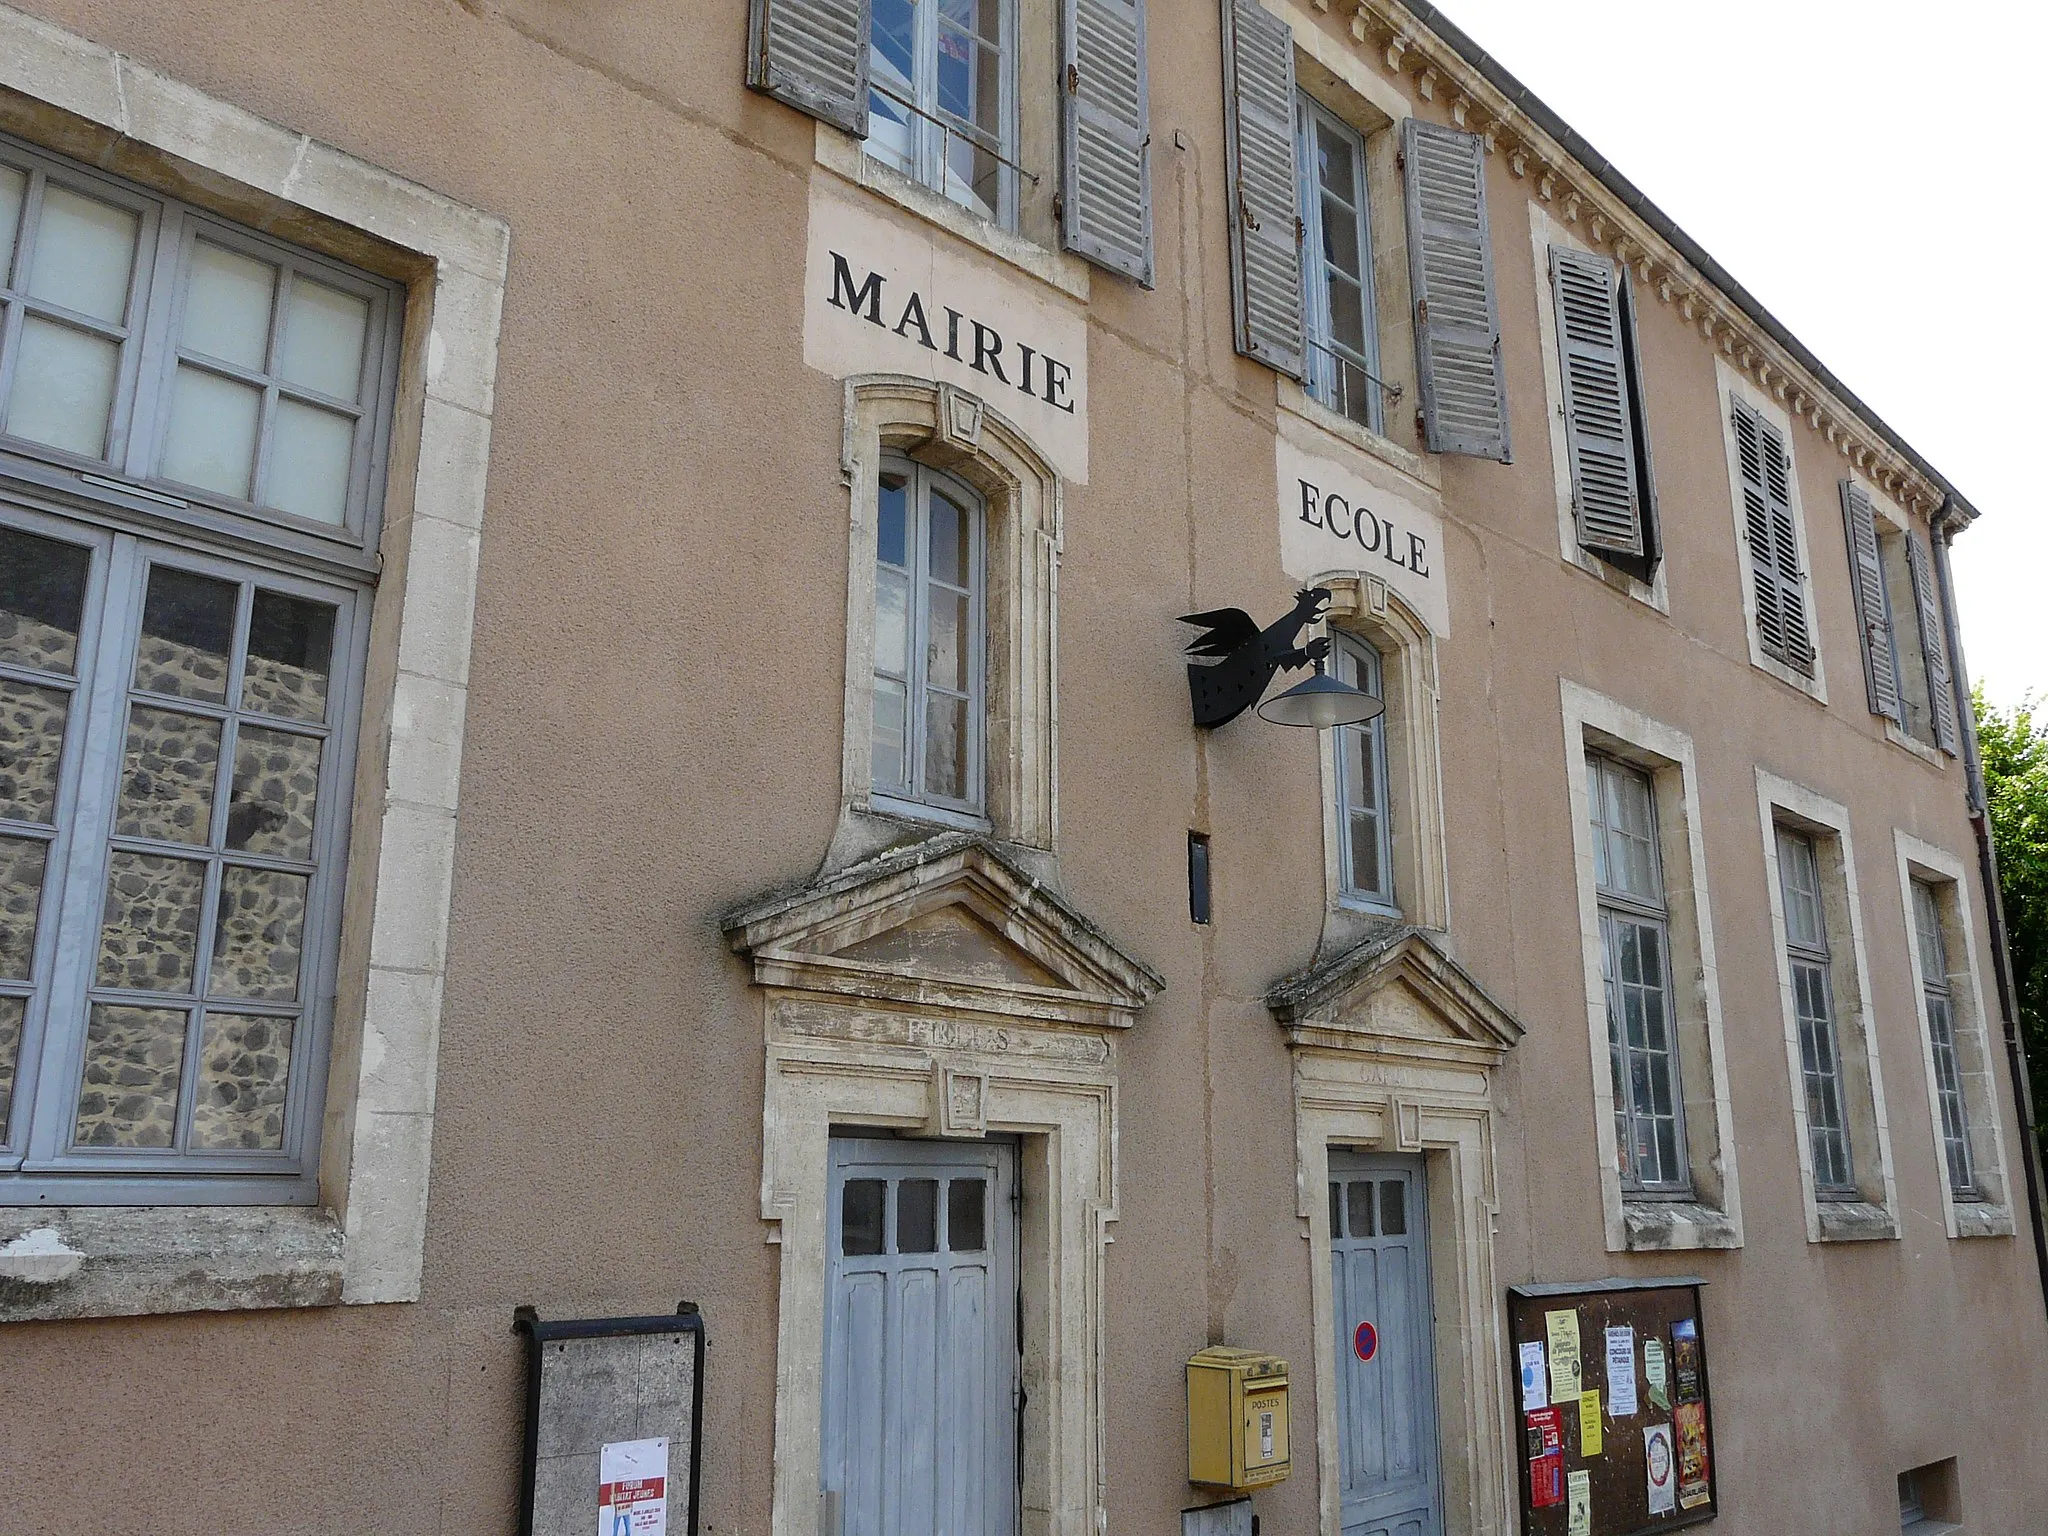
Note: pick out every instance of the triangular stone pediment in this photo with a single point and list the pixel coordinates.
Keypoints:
(947, 921)
(1398, 990)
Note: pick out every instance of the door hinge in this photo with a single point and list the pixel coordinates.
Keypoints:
(1059, 206)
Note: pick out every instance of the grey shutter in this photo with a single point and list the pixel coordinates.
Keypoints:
(1599, 435)
(1105, 175)
(813, 55)
(1873, 605)
(1258, 138)
(1645, 569)
(1450, 265)
(1941, 693)
(1775, 576)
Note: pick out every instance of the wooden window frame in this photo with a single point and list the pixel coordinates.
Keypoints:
(1811, 964)
(1321, 383)
(139, 417)
(915, 797)
(1937, 1000)
(1364, 656)
(930, 139)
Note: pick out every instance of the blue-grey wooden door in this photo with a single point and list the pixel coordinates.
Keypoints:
(1386, 1404)
(921, 1341)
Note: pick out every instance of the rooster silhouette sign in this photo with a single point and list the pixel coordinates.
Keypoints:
(1248, 655)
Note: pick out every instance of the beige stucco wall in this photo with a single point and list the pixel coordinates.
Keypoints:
(653, 735)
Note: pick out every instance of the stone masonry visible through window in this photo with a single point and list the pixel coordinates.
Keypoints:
(177, 699)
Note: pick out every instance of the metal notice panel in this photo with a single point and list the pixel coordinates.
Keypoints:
(614, 1408)
(1615, 1416)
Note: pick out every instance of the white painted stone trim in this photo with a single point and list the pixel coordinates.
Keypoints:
(1993, 1216)
(1774, 794)
(1731, 387)
(1545, 232)
(1592, 718)
(378, 1127)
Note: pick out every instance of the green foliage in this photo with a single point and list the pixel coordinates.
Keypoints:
(2015, 749)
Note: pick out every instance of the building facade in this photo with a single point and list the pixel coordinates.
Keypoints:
(849, 933)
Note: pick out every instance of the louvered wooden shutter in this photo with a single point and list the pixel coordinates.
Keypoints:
(1873, 605)
(1450, 265)
(1106, 180)
(1265, 243)
(812, 54)
(1941, 693)
(1776, 579)
(1599, 436)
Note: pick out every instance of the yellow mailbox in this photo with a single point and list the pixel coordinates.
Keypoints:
(1237, 1419)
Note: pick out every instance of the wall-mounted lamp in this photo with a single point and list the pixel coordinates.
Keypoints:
(1249, 656)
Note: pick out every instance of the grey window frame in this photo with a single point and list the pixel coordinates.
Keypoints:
(1937, 1005)
(913, 798)
(128, 516)
(1323, 358)
(1813, 1002)
(1648, 912)
(128, 473)
(932, 127)
(1357, 656)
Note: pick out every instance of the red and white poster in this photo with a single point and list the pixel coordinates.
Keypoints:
(1662, 1470)
(632, 1488)
(1546, 1457)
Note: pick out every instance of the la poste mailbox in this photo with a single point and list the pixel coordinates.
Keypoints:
(1237, 1419)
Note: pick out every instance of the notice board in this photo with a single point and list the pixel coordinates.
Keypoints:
(1581, 1352)
(614, 1410)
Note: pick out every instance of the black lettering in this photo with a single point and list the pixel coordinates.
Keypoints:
(953, 318)
(1057, 374)
(913, 314)
(1309, 496)
(1415, 552)
(985, 352)
(1366, 523)
(1330, 505)
(869, 293)
(1025, 383)
(1390, 555)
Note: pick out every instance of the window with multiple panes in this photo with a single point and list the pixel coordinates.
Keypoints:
(1363, 810)
(1635, 951)
(927, 738)
(178, 692)
(1813, 1001)
(942, 105)
(1337, 301)
(1939, 1004)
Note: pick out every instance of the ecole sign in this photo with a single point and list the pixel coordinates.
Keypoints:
(882, 297)
(1334, 519)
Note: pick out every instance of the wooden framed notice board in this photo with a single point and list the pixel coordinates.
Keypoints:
(1612, 1398)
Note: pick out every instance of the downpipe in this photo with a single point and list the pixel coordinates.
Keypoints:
(1994, 904)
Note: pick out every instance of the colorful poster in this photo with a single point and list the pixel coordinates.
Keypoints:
(1566, 1373)
(1690, 1420)
(1535, 1392)
(1589, 1423)
(1578, 1500)
(1621, 1372)
(1653, 1373)
(1546, 1457)
(1685, 1359)
(1661, 1474)
(632, 1488)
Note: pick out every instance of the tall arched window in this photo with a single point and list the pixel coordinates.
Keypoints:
(1363, 813)
(930, 597)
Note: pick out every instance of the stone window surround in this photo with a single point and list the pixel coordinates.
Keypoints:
(1731, 387)
(1337, 79)
(952, 430)
(1993, 1215)
(1362, 604)
(1782, 803)
(1713, 1219)
(1545, 232)
(366, 1241)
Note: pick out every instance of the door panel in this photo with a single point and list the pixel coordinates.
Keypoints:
(921, 1347)
(1386, 1406)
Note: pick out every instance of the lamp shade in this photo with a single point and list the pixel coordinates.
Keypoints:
(1321, 702)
